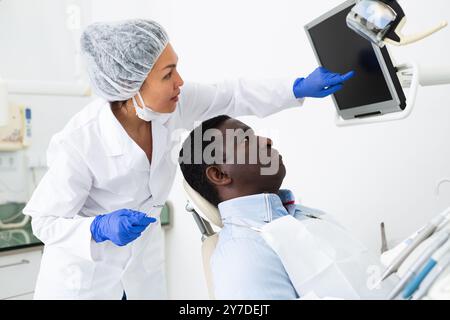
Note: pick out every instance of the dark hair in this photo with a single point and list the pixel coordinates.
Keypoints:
(194, 173)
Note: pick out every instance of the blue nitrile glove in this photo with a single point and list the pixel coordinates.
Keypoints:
(320, 83)
(121, 226)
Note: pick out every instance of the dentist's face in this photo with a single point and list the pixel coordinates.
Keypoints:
(251, 163)
(161, 89)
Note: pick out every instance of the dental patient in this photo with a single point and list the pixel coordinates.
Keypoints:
(241, 174)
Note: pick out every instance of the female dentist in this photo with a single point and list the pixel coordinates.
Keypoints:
(110, 168)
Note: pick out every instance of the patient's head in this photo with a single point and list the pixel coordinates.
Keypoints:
(223, 159)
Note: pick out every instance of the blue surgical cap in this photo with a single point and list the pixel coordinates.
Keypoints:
(120, 55)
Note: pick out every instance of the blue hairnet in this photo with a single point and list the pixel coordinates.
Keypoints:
(120, 55)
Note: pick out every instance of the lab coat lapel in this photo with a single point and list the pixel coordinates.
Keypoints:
(158, 169)
(159, 138)
(111, 131)
(119, 143)
(134, 155)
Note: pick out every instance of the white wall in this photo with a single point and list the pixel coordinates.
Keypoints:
(38, 46)
(364, 175)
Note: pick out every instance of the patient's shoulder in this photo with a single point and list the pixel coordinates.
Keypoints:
(245, 268)
(239, 243)
(241, 250)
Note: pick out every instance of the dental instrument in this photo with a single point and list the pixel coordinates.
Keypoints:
(414, 284)
(412, 272)
(432, 277)
(426, 232)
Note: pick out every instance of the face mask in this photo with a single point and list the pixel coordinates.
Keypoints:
(147, 114)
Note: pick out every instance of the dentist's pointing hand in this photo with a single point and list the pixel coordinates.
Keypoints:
(320, 83)
(121, 226)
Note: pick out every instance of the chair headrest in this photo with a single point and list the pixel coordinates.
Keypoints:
(203, 206)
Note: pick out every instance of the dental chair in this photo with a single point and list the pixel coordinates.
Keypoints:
(204, 214)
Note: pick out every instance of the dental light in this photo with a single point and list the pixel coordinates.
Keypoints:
(382, 21)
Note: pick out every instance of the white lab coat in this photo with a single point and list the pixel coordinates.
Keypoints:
(96, 168)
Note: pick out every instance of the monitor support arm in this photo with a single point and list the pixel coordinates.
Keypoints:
(411, 75)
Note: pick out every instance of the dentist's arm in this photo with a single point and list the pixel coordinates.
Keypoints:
(199, 102)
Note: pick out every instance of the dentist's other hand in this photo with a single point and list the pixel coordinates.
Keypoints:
(121, 226)
(320, 83)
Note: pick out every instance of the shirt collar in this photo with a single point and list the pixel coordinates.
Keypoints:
(111, 131)
(118, 142)
(260, 207)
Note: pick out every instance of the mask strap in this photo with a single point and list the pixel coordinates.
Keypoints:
(134, 102)
(142, 100)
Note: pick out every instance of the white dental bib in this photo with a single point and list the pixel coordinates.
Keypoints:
(323, 260)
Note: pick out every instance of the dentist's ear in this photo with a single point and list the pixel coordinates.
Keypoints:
(217, 177)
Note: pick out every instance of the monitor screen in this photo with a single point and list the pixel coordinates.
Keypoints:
(340, 49)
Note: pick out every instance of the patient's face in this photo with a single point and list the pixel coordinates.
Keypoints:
(250, 160)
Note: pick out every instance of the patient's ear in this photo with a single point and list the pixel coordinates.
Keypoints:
(217, 177)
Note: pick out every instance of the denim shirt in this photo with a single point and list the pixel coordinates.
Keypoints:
(243, 266)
